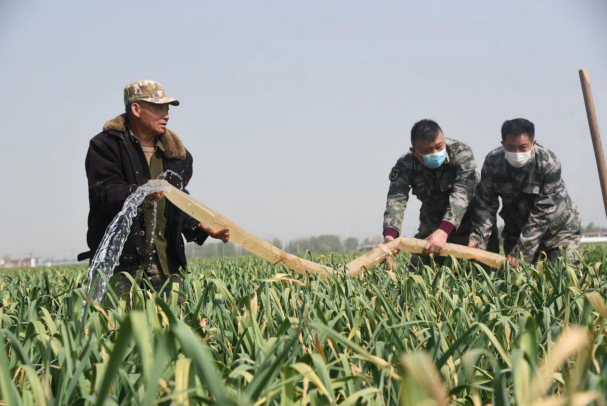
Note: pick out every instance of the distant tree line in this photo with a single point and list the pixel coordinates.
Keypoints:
(213, 250)
(317, 244)
(592, 228)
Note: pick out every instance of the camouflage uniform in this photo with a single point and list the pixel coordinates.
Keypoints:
(537, 211)
(445, 193)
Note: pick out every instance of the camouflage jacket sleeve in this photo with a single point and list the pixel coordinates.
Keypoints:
(544, 210)
(485, 209)
(463, 186)
(398, 195)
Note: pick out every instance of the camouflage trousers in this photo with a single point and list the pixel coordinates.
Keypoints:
(461, 236)
(153, 276)
(551, 253)
(551, 241)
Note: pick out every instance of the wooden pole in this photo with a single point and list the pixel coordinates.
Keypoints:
(594, 133)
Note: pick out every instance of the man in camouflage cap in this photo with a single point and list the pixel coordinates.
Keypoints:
(133, 149)
(537, 211)
(441, 172)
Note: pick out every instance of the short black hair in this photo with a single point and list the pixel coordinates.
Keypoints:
(425, 131)
(517, 127)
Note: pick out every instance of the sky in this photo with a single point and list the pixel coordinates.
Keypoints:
(295, 112)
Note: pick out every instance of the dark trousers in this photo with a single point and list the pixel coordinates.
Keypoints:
(144, 278)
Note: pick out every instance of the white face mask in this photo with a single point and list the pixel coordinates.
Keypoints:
(518, 159)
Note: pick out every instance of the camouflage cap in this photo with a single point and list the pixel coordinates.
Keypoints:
(148, 91)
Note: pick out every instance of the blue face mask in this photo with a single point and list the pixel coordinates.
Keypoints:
(435, 160)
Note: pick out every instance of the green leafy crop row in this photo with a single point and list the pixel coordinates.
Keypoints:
(249, 332)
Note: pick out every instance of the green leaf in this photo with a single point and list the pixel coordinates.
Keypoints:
(8, 390)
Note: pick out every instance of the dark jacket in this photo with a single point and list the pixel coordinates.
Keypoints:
(114, 171)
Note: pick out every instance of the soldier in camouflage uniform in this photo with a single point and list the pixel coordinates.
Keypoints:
(441, 172)
(537, 211)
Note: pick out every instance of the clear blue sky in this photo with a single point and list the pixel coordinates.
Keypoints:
(295, 112)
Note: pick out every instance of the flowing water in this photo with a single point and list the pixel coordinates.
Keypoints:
(108, 254)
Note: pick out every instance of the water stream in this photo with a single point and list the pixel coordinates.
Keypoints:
(108, 254)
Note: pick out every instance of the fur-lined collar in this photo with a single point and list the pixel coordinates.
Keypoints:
(173, 148)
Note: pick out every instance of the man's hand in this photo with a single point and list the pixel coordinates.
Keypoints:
(154, 196)
(223, 234)
(435, 242)
(472, 244)
(512, 260)
(389, 238)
